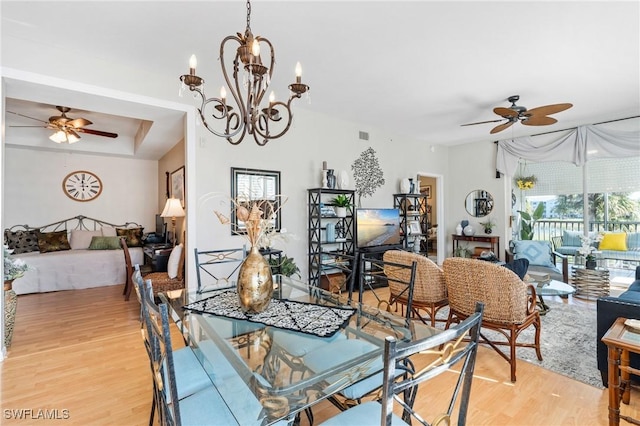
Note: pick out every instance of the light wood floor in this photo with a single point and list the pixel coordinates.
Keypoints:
(81, 351)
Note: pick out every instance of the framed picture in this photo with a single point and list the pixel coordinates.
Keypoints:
(414, 228)
(177, 185)
(426, 190)
(261, 186)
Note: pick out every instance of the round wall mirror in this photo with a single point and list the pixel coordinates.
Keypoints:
(479, 203)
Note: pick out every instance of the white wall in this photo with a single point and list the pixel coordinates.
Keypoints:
(33, 192)
(314, 138)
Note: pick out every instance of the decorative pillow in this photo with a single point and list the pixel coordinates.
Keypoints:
(571, 238)
(109, 231)
(105, 243)
(133, 236)
(633, 241)
(538, 253)
(614, 241)
(53, 241)
(81, 239)
(22, 241)
(174, 261)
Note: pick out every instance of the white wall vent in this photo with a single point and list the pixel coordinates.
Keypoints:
(364, 136)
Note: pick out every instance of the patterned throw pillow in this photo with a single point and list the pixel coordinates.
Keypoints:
(22, 241)
(537, 252)
(132, 235)
(105, 243)
(53, 241)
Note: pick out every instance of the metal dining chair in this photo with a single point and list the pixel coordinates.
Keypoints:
(374, 275)
(216, 269)
(175, 408)
(190, 376)
(456, 346)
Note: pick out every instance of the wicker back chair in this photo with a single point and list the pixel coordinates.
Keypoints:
(509, 303)
(429, 288)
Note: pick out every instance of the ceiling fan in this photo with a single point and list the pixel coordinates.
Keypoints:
(529, 117)
(66, 128)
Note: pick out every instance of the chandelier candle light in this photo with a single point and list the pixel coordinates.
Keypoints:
(249, 117)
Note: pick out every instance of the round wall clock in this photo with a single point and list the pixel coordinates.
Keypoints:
(82, 185)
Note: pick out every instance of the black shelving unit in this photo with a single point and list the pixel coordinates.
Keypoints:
(320, 207)
(413, 207)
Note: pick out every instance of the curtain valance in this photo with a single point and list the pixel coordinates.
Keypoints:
(571, 147)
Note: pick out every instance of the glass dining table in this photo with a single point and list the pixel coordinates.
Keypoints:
(259, 367)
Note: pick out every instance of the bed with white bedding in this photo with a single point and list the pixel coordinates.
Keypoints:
(83, 253)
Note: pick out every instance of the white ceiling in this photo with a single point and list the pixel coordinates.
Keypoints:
(416, 68)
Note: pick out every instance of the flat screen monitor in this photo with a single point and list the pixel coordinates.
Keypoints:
(377, 227)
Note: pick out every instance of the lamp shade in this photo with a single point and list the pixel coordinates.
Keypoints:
(173, 208)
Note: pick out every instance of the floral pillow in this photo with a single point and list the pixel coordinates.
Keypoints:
(53, 241)
(22, 241)
(133, 236)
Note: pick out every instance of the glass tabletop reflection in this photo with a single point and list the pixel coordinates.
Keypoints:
(262, 371)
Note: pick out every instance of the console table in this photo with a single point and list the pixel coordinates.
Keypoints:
(492, 240)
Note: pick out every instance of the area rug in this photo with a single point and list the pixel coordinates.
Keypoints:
(568, 342)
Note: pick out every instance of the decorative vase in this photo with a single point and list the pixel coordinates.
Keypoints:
(404, 186)
(464, 223)
(324, 179)
(487, 230)
(330, 231)
(590, 264)
(469, 231)
(411, 186)
(255, 283)
(331, 179)
(10, 305)
(459, 229)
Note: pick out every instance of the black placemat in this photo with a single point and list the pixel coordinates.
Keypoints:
(318, 320)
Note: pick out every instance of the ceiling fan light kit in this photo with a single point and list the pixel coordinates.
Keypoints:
(65, 128)
(246, 116)
(529, 117)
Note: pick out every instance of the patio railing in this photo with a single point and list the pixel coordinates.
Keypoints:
(544, 229)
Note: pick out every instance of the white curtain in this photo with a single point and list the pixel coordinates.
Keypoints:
(571, 147)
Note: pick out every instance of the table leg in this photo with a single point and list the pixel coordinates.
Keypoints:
(544, 308)
(625, 382)
(614, 386)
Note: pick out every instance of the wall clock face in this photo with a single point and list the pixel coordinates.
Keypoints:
(82, 186)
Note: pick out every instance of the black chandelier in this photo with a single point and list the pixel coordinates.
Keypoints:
(248, 88)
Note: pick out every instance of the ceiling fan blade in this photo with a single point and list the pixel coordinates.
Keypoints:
(501, 127)
(548, 109)
(539, 120)
(79, 122)
(482, 122)
(43, 127)
(72, 132)
(505, 112)
(97, 133)
(26, 116)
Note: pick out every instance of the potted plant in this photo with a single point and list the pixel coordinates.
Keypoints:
(587, 249)
(527, 221)
(287, 266)
(488, 225)
(341, 203)
(526, 182)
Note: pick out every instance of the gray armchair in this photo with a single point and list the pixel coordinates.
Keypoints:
(541, 256)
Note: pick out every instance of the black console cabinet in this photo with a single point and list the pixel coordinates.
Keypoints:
(157, 256)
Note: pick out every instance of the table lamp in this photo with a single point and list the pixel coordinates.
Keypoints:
(173, 208)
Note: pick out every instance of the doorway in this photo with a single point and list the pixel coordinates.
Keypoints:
(431, 185)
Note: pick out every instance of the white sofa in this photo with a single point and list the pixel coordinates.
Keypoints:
(76, 267)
